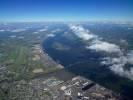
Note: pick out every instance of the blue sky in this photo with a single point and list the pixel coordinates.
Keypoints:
(66, 10)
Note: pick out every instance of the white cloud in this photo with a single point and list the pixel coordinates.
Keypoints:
(18, 30)
(82, 33)
(117, 66)
(12, 36)
(130, 57)
(2, 30)
(35, 32)
(51, 35)
(56, 30)
(96, 42)
(20, 37)
(105, 47)
(117, 63)
(118, 69)
(42, 30)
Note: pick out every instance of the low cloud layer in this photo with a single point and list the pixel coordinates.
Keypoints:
(82, 33)
(40, 30)
(51, 35)
(1, 30)
(43, 30)
(18, 30)
(116, 63)
(105, 47)
(130, 57)
(55, 30)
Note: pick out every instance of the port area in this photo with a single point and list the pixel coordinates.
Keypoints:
(53, 88)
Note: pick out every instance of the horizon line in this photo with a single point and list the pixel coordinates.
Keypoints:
(54, 21)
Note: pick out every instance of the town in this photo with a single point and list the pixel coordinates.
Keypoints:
(77, 88)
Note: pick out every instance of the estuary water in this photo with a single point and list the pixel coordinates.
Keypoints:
(70, 51)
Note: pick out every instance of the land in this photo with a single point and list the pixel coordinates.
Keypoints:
(53, 88)
(22, 56)
(27, 72)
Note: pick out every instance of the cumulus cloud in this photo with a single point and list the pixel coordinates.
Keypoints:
(105, 47)
(2, 30)
(117, 66)
(18, 30)
(130, 57)
(82, 33)
(118, 69)
(20, 37)
(51, 35)
(35, 32)
(56, 30)
(42, 30)
(12, 36)
(96, 42)
(116, 63)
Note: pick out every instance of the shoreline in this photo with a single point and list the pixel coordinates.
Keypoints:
(48, 63)
(44, 54)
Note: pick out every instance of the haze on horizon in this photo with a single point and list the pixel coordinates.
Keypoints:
(66, 10)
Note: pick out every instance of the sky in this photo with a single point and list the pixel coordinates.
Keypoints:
(66, 10)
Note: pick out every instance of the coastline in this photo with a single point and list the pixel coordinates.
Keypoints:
(48, 59)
